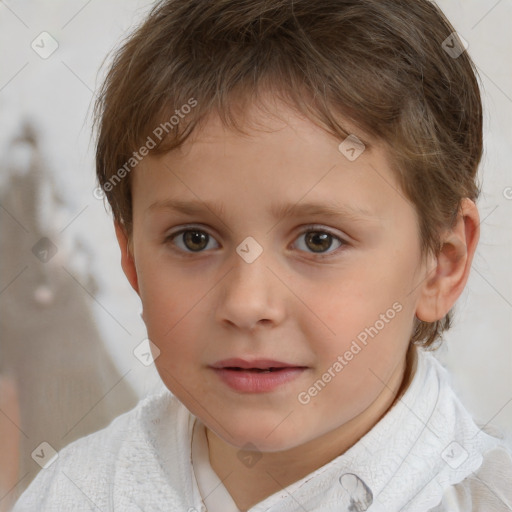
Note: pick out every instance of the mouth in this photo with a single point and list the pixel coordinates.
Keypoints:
(256, 376)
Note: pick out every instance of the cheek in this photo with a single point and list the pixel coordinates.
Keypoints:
(353, 375)
(165, 293)
(365, 325)
(170, 323)
(166, 316)
(174, 310)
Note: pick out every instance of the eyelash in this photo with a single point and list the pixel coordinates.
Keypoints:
(308, 229)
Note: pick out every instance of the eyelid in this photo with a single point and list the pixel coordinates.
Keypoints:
(320, 227)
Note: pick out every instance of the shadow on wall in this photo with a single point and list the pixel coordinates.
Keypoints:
(57, 381)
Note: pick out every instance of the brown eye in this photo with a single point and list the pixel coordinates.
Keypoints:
(195, 240)
(319, 242)
(189, 240)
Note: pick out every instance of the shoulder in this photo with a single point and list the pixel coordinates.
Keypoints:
(441, 459)
(488, 488)
(82, 474)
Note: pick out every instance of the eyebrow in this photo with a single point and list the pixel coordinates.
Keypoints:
(332, 210)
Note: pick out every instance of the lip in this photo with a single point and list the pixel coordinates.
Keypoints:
(243, 376)
(261, 364)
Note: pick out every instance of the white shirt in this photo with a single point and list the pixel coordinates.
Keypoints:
(425, 454)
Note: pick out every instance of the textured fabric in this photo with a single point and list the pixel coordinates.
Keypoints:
(425, 454)
(489, 490)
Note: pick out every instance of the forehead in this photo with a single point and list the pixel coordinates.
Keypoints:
(283, 158)
(269, 123)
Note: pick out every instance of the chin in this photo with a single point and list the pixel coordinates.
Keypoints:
(264, 437)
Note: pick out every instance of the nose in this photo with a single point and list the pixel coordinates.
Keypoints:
(251, 295)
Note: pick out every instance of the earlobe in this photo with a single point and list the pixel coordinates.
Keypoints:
(127, 259)
(444, 283)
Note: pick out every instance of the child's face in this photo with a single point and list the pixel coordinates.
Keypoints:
(206, 301)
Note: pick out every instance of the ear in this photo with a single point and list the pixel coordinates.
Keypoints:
(453, 264)
(127, 260)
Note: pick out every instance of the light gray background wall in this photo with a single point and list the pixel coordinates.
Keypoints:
(55, 94)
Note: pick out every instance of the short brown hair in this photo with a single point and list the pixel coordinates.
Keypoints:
(382, 64)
